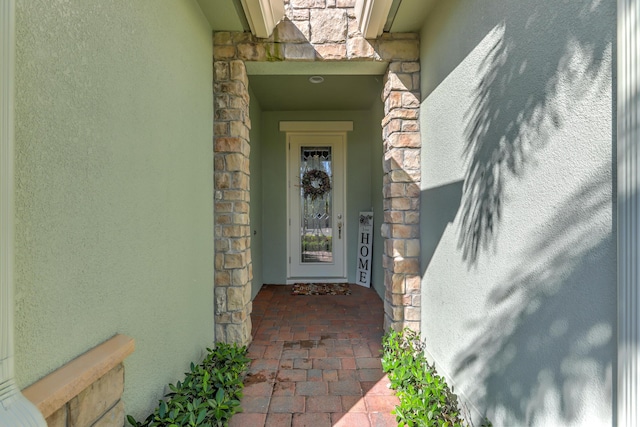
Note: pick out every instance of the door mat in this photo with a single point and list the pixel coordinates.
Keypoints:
(321, 289)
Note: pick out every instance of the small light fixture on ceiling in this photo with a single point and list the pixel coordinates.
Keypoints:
(316, 79)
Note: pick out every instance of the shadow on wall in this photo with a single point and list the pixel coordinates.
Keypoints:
(546, 337)
(535, 56)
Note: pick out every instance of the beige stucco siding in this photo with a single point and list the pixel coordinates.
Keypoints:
(114, 206)
(517, 219)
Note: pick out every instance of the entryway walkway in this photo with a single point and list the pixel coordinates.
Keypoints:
(316, 361)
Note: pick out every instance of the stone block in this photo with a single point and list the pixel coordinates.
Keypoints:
(242, 219)
(221, 70)
(58, 418)
(239, 129)
(360, 48)
(393, 217)
(328, 26)
(404, 140)
(239, 72)
(243, 38)
(224, 219)
(401, 176)
(394, 100)
(223, 206)
(331, 52)
(238, 333)
(398, 50)
(222, 38)
(223, 318)
(230, 144)
(291, 31)
(238, 102)
(400, 203)
(224, 52)
(299, 52)
(411, 158)
(308, 4)
(405, 231)
(220, 128)
(398, 284)
(412, 248)
(240, 276)
(220, 300)
(412, 217)
(410, 100)
(412, 313)
(407, 265)
(396, 190)
(410, 67)
(410, 126)
(222, 278)
(234, 261)
(397, 82)
(235, 162)
(413, 283)
(240, 181)
(220, 333)
(391, 127)
(222, 180)
(299, 15)
(416, 300)
(235, 298)
(352, 27)
(113, 418)
(345, 3)
(93, 402)
(228, 114)
(253, 52)
(413, 190)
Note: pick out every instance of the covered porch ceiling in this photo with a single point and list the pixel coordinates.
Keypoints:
(285, 86)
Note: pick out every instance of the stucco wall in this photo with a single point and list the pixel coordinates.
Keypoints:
(517, 220)
(114, 206)
(359, 185)
(255, 213)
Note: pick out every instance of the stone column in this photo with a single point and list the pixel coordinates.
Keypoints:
(232, 230)
(401, 191)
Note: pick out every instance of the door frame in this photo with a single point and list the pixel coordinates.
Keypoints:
(316, 128)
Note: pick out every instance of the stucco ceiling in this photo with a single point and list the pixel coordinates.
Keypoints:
(285, 86)
(296, 93)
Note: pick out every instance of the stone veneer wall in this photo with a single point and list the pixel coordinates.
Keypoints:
(87, 391)
(99, 405)
(316, 30)
(232, 232)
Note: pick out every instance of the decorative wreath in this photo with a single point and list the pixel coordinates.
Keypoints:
(315, 183)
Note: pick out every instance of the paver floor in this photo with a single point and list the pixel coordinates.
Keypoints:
(315, 361)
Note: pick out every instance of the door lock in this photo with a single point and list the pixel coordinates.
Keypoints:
(340, 230)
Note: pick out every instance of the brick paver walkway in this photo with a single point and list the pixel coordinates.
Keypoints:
(316, 361)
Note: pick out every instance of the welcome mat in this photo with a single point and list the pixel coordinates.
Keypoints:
(321, 289)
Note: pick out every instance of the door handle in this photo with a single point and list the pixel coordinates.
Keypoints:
(340, 230)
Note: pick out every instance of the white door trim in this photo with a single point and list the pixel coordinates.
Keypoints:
(340, 271)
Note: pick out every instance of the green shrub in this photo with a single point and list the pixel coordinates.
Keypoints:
(425, 398)
(209, 395)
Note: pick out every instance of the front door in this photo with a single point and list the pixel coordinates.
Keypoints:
(316, 207)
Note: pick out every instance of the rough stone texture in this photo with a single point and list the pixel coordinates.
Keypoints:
(317, 30)
(58, 418)
(99, 405)
(231, 183)
(96, 400)
(401, 259)
(114, 417)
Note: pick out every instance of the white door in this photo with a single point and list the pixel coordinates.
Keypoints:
(316, 207)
